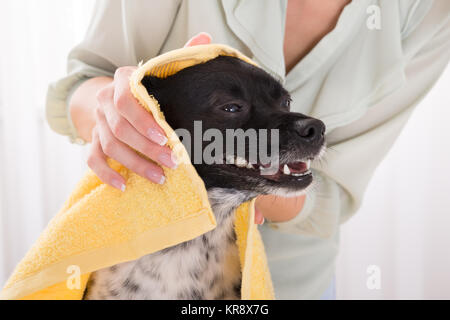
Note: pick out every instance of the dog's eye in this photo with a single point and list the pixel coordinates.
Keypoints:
(286, 103)
(232, 108)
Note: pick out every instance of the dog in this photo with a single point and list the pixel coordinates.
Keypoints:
(223, 93)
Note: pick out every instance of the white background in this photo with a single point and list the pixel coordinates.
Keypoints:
(403, 226)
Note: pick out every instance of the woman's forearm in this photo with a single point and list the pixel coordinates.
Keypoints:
(82, 105)
(279, 209)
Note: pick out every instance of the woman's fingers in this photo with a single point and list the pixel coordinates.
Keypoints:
(97, 162)
(127, 105)
(201, 38)
(122, 125)
(121, 152)
(125, 132)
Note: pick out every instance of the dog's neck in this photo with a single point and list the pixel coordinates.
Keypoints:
(224, 201)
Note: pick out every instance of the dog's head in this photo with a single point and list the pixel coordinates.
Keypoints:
(227, 93)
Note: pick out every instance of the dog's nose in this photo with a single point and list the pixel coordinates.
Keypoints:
(311, 130)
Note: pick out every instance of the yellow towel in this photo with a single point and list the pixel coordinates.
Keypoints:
(100, 226)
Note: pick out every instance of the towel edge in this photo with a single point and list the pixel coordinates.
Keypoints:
(91, 261)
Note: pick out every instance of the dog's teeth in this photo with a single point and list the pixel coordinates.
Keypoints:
(286, 169)
(241, 162)
(308, 164)
(301, 174)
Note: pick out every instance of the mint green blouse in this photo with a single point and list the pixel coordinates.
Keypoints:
(362, 79)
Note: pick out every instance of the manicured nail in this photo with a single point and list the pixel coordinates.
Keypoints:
(168, 160)
(117, 184)
(155, 177)
(156, 137)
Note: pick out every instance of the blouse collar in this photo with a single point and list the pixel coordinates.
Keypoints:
(260, 26)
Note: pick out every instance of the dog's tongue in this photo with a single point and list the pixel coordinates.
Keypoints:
(297, 167)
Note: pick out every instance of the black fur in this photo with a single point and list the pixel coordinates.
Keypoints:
(200, 92)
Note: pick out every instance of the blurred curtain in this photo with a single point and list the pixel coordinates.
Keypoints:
(403, 227)
(38, 168)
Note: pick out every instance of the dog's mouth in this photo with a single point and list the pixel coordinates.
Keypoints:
(277, 172)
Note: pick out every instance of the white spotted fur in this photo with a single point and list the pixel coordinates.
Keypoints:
(177, 266)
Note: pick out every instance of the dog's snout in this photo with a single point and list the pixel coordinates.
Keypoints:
(311, 130)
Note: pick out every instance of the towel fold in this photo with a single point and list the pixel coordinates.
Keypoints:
(100, 226)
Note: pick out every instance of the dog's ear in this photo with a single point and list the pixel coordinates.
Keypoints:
(152, 84)
(160, 89)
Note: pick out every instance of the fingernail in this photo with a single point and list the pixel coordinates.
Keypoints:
(168, 160)
(262, 221)
(156, 137)
(118, 184)
(155, 177)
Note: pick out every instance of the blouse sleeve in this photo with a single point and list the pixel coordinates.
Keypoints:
(121, 33)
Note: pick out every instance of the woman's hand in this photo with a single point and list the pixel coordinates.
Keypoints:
(277, 209)
(122, 125)
(119, 125)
